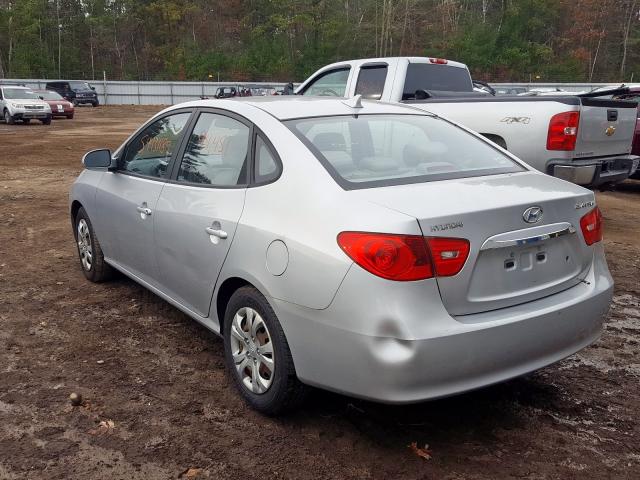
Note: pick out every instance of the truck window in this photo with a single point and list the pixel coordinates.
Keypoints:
(426, 76)
(329, 84)
(371, 81)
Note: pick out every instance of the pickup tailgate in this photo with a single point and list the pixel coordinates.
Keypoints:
(606, 127)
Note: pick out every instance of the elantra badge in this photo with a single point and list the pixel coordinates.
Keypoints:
(532, 215)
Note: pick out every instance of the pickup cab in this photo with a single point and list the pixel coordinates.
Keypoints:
(579, 138)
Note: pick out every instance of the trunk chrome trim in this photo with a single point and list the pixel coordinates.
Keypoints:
(528, 236)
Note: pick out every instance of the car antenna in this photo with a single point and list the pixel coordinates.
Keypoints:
(354, 102)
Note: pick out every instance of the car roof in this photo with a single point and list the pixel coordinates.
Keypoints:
(294, 106)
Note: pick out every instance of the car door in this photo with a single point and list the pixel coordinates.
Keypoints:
(127, 197)
(199, 208)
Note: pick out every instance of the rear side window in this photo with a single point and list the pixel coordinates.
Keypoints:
(267, 167)
(371, 81)
(150, 152)
(329, 84)
(216, 154)
(427, 76)
(380, 150)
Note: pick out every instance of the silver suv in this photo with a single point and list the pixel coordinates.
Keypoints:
(22, 103)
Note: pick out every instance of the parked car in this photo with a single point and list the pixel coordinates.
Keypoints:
(59, 106)
(633, 95)
(76, 91)
(510, 90)
(578, 138)
(22, 104)
(226, 92)
(366, 248)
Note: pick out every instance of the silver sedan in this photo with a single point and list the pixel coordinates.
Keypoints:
(364, 248)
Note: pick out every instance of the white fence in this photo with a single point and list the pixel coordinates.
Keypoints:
(169, 93)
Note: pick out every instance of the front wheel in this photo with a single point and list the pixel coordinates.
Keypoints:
(91, 257)
(46, 121)
(257, 354)
(9, 120)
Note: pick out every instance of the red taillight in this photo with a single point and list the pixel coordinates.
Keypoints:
(405, 257)
(448, 254)
(439, 61)
(591, 225)
(563, 131)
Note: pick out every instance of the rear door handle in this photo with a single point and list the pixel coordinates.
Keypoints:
(216, 233)
(144, 210)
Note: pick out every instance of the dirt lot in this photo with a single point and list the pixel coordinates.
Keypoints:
(156, 381)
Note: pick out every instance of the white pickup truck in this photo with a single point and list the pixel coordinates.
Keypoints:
(579, 138)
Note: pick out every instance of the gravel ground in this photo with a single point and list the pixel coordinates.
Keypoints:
(157, 403)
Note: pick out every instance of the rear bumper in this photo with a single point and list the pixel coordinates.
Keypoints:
(405, 350)
(595, 172)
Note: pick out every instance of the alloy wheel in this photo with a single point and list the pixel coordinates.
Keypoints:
(252, 350)
(84, 245)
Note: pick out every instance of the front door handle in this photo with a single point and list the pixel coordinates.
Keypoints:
(216, 233)
(144, 210)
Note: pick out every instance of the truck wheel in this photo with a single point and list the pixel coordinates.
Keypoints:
(91, 257)
(257, 354)
(9, 120)
(94, 104)
(46, 121)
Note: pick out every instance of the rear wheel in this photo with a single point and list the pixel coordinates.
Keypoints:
(257, 354)
(89, 251)
(9, 120)
(26, 120)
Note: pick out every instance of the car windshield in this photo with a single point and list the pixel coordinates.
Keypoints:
(48, 95)
(80, 85)
(19, 94)
(362, 151)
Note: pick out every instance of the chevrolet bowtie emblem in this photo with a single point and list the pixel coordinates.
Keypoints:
(610, 130)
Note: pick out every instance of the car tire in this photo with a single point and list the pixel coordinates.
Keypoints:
(46, 121)
(70, 117)
(94, 104)
(26, 121)
(93, 265)
(9, 120)
(253, 347)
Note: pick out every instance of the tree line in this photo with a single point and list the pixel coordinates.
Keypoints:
(283, 40)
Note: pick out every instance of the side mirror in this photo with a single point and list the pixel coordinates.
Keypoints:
(98, 159)
(40, 97)
(422, 94)
(92, 87)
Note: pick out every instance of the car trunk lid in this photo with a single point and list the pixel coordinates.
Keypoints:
(510, 260)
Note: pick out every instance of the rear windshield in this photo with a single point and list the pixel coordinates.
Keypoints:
(378, 150)
(427, 76)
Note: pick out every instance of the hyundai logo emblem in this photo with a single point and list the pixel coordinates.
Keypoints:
(532, 215)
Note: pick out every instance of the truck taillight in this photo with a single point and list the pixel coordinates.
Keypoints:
(439, 61)
(591, 225)
(405, 257)
(563, 131)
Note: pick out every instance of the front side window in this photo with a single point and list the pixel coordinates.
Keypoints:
(371, 81)
(329, 84)
(379, 150)
(216, 154)
(150, 152)
(50, 95)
